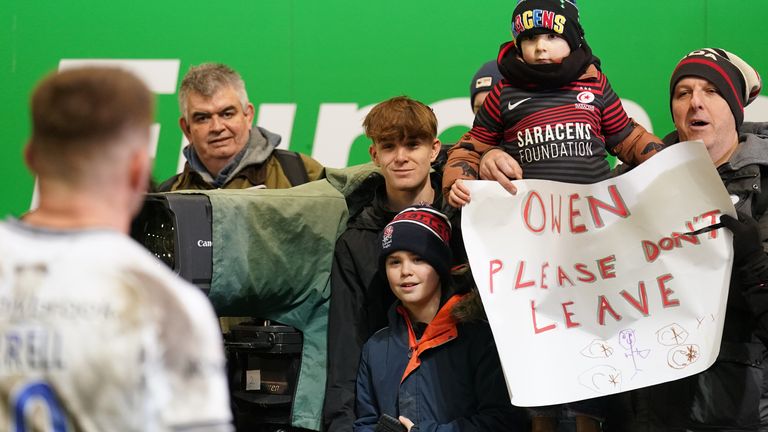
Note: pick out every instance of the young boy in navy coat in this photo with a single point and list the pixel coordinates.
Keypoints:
(434, 366)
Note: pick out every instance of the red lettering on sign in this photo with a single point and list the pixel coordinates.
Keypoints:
(527, 212)
(536, 329)
(588, 276)
(575, 228)
(519, 277)
(568, 322)
(495, 267)
(606, 267)
(666, 292)
(642, 304)
(604, 306)
(619, 208)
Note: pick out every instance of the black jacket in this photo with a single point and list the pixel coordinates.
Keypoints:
(360, 297)
(727, 396)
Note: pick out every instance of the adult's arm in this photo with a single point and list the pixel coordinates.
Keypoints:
(487, 131)
(625, 138)
(638, 145)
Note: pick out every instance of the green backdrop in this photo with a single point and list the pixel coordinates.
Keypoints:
(310, 53)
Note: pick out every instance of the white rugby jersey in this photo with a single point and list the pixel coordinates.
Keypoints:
(97, 335)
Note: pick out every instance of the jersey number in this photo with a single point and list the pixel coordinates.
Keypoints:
(42, 392)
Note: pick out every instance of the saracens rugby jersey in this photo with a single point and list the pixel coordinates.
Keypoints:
(559, 134)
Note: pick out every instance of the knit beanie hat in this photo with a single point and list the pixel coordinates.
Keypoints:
(484, 80)
(423, 231)
(738, 83)
(544, 16)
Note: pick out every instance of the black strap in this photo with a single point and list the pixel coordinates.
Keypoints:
(293, 166)
(166, 185)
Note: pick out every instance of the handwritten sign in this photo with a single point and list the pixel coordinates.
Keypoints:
(596, 289)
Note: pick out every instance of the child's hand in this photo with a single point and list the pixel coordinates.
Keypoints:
(500, 166)
(406, 422)
(459, 194)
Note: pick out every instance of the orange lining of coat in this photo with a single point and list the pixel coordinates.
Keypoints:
(440, 330)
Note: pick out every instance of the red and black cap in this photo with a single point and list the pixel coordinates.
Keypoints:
(423, 231)
(738, 83)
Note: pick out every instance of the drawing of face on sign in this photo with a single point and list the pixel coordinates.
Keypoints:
(601, 379)
(627, 339)
(672, 335)
(597, 349)
(682, 356)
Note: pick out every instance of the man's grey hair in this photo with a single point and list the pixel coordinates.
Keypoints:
(208, 78)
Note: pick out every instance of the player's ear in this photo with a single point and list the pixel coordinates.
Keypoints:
(184, 125)
(139, 170)
(435, 150)
(249, 112)
(29, 158)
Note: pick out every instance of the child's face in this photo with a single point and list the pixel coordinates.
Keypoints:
(544, 48)
(413, 281)
(405, 164)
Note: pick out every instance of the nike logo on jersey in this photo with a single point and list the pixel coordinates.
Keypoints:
(512, 106)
